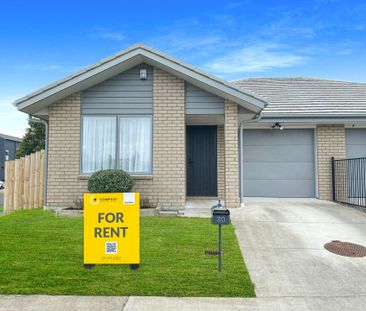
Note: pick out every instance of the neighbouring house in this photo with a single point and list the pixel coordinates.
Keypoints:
(186, 134)
(8, 148)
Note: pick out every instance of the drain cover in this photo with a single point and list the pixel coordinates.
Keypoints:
(346, 249)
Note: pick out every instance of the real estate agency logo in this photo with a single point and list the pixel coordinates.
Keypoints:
(94, 200)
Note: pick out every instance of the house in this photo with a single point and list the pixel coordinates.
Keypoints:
(8, 148)
(185, 134)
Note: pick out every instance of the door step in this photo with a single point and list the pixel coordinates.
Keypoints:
(169, 211)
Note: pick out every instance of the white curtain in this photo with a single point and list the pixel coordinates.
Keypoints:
(135, 144)
(99, 143)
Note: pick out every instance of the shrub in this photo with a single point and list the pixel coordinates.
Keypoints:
(110, 181)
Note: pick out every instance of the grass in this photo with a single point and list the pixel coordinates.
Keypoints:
(1, 207)
(43, 254)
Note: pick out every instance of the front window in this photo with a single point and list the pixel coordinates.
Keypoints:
(135, 145)
(124, 144)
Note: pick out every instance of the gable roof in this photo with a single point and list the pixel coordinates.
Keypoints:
(126, 59)
(12, 138)
(308, 98)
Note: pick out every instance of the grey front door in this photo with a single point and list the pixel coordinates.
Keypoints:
(201, 161)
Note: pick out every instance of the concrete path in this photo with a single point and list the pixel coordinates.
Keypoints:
(60, 303)
(199, 208)
(282, 242)
(84, 303)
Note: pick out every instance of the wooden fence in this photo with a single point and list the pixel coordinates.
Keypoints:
(24, 182)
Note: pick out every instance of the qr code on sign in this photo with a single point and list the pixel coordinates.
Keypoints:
(111, 247)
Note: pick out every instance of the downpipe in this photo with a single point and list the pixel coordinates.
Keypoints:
(256, 118)
(32, 119)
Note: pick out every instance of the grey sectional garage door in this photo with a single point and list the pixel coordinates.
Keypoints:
(355, 143)
(279, 163)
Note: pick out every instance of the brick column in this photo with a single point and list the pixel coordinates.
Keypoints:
(169, 152)
(331, 142)
(231, 155)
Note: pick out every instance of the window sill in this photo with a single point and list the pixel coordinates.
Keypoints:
(144, 177)
(135, 177)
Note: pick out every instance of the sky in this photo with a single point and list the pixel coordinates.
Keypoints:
(43, 41)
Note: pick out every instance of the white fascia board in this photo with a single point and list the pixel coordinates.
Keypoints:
(133, 56)
(204, 82)
(286, 125)
(316, 120)
(81, 82)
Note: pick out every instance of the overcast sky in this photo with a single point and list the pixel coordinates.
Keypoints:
(42, 41)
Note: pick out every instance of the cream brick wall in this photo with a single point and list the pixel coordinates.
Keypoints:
(167, 186)
(330, 143)
(221, 162)
(64, 187)
(231, 155)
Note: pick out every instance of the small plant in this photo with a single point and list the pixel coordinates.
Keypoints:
(146, 203)
(110, 181)
(79, 204)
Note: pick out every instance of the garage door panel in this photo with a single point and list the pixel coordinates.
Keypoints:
(356, 151)
(276, 137)
(283, 170)
(356, 143)
(356, 136)
(294, 153)
(279, 163)
(280, 188)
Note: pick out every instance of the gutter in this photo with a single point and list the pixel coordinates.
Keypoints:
(33, 120)
(256, 118)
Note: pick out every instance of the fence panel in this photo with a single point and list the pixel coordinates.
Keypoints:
(24, 182)
(349, 181)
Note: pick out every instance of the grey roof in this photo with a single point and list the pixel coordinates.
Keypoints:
(308, 98)
(8, 137)
(126, 59)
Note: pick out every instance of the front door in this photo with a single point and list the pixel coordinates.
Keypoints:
(201, 161)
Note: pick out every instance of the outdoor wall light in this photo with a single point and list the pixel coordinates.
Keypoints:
(277, 126)
(143, 74)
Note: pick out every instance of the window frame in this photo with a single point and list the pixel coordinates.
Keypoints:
(117, 153)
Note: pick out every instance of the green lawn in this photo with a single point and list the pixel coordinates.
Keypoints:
(1, 207)
(43, 254)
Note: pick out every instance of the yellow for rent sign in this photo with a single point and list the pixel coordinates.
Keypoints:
(111, 228)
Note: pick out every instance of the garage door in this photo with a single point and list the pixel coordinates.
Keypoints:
(355, 143)
(279, 163)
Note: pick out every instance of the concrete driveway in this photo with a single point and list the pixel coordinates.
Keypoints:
(282, 242)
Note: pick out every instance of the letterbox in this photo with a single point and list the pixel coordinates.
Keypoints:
(220, 216)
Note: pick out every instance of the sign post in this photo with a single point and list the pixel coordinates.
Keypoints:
(112, 228)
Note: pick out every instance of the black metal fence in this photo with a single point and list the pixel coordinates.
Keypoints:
(349, 181)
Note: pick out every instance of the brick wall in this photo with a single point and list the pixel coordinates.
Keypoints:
(330, 143)
(168, 186)
(221, 163)
(231, 155)
(64, 187)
